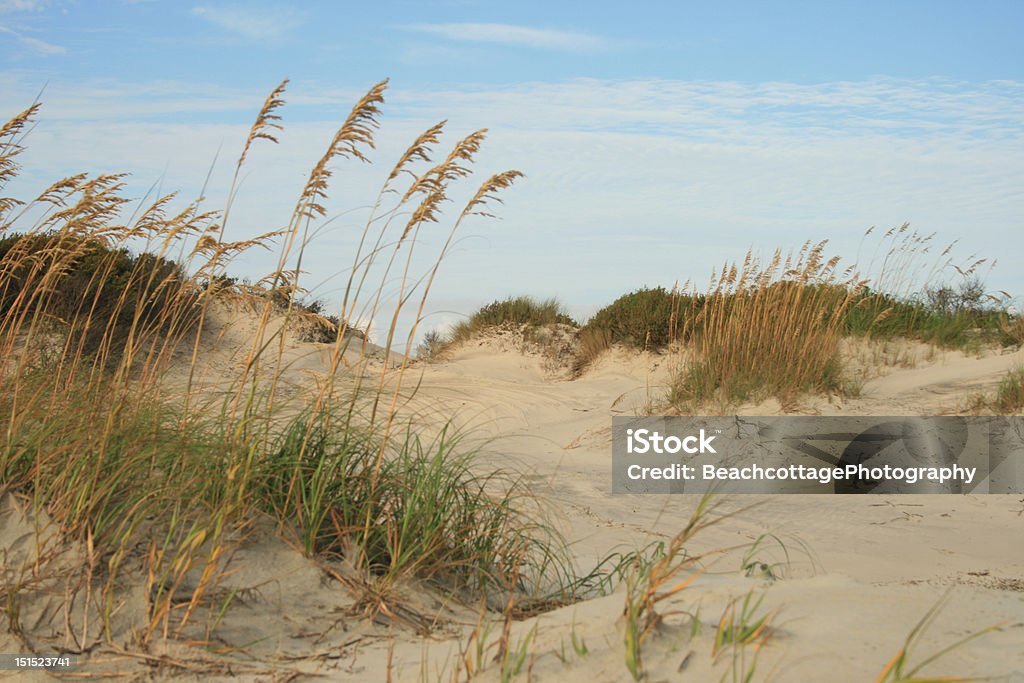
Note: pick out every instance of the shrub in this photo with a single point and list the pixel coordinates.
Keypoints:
(645, 319)
(432, 344)
(939, 316)
(520, 310)
(97, 295)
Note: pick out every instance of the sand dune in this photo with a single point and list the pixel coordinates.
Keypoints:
(846, 577)
(860, 571)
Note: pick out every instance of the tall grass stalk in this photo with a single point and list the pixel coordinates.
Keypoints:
(767, 330)
(658, 576)
(99, 441)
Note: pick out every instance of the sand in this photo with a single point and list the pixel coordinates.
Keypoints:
(846, 578)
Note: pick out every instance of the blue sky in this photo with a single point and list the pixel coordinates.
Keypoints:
(659, 140)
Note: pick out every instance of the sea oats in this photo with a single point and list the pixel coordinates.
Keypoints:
(266, 121)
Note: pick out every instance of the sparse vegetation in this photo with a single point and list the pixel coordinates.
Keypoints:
(1009, 398)
(432, 344)
(899, 668)
(659, 575)
(747, 626)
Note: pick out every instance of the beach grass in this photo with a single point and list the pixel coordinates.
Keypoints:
(767, 330)
(161, 483)
(1009, 399)
(94, 310)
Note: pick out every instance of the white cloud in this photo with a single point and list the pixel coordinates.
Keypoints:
(21, 5)
(517, 36)
(253, 23)
(34, 44)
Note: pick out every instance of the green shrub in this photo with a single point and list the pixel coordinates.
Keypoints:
(97, 294)
(939, 316)
(645, 319)
(520, 310)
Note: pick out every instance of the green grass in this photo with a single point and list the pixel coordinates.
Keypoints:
(1009, 399)
(657, 575)
(431, 516)
(900, 670)
(883, 316)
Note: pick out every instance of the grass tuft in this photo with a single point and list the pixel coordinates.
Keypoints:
(767, 330)
(1009, 398)
(899, 668)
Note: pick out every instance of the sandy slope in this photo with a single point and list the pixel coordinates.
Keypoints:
(860, 571)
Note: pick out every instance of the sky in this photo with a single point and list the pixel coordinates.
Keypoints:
(659, 140)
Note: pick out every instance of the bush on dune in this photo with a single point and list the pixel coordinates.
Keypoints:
(648, 319)
(95, 295)
(937, 316)
(519, 311)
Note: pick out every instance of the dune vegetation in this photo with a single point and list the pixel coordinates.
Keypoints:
(162, 483)
(157, 483)
(761, 330)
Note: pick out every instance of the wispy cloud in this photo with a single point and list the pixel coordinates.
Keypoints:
(628, 182)
(36, 45)
(21, 5)
(739, 113)
(251, 22)
(516, 36)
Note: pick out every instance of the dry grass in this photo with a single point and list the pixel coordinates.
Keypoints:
(774, 329)
(1008, 398)
(768, 330)
(1010, 393)
(139, 474)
